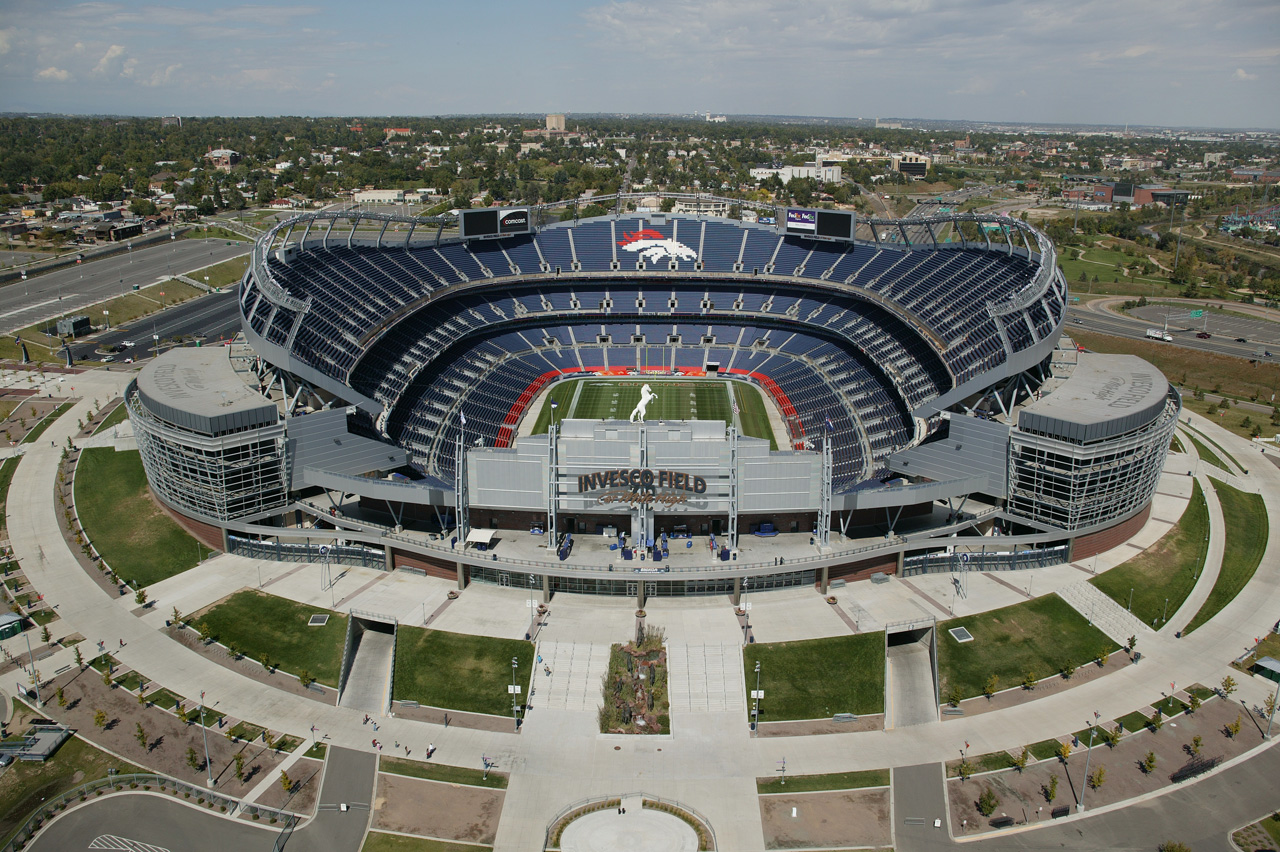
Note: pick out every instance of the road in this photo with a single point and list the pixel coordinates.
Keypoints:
(1199, 814)
(24, 303)
(349, 778)
(129, 820)
(1092, 317)
(212, 316)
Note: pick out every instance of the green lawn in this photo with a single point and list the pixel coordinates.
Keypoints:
(1044, 750)
(377, 841)
(38, 429)
(223, 274)
(685, 399)
(1165, 570)
(7, 469)
(443, 772)
(138, 540)
(459, 671)
(834, 781)
(24, 785)
(1207, 454)
(267, 626)
(990, 762)
(130, 681)
(1246, 517)
(115, 418)
(1039, 637)
(163, 698)
(817, 678)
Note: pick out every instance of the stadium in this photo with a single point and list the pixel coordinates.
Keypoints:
(648, 403)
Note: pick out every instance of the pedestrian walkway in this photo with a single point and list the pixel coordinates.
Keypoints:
(1102, 612)
(1179, 620)
(706, 678)
(370, 677)
(577, 672)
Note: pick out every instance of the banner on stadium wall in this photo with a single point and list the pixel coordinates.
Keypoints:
(802, 220)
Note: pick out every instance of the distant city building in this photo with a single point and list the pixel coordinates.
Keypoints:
(908, 163)
(1255, 176)
(826, 172)
(1214, 158)
(555, 123)
(171, 120)
(378, 196)
(222, 159)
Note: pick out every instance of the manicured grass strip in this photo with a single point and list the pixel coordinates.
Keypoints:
(130, 681)
(1246, 531)
(753, 414)
(44, 424)
(817, 678)
(246, 731)
(223, 274)
(990, 762)
(378, 841)
(1044, 750)
(267, 626)
(1204, 693)
(1175, 446)
(1134, 722)
(115, 418)
(460, 672)
(164, 699)
(25, 785)
(1039, 637)
(103, 661)
(1207, 454)
(1164, 571)
(7, 469)
(317, 751)
(833, 781)
(139, 541)
(443, 772)
(1220, 449)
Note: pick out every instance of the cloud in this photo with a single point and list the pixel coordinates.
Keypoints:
(59, 75)
(6, 40)
(162, 76)
(1242, 74)
(113, 53)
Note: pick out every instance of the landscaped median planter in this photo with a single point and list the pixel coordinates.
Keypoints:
(831, 599)
(453, 595)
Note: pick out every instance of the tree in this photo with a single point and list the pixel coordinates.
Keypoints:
(62, 699)
(193, 759)
(965, 769)
(239, 759)
(1051, 790)
(44, 634)
(1234, 728)
(1194, 704)
(141, 735)
(140, 598)
(1174, 846)
(1228, 686)
(106, 677)
(285, 781)
(1156, 721)
(1196, 743)
(988, 802)
(100, 719)
(1029, 680)
(1149, 763)
(1097, 777)
(177, 616)
(305, 678)
(989, 688)
(1103, 656)
(1132, 643)
(1269, 706)
(265, 191)
(1020, 762)
(79, 658)
(1064, 751)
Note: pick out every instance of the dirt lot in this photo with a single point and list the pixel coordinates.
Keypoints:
(841, 818)
(1023, 795)
(302, 798)
(433, 809)
(809, 727)
(168, 738)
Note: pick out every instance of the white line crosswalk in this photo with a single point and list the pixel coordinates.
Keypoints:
(706, 678)
(111, 841)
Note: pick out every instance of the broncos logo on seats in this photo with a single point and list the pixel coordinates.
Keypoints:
(653, 246)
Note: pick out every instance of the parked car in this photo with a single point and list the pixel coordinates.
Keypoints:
(127, 344)
(108, 358)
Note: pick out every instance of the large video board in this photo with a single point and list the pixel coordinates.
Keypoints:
(492, 222)
(831, 224)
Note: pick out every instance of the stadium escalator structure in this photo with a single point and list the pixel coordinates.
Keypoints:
(879, 337)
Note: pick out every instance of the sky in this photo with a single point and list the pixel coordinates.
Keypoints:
(1209, 63)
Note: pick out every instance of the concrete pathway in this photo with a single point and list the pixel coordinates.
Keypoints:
(370, 677)
(1179, 620)
(706, 678)
(912, 699)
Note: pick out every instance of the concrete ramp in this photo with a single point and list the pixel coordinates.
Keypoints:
(911, 692)
(369, 679)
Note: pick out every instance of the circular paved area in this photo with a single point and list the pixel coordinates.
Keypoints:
(638, 830)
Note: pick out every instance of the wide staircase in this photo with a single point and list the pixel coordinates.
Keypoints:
(1106, 615)
(370, 677)
(577, 675)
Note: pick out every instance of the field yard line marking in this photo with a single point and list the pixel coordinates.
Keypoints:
(573, 403)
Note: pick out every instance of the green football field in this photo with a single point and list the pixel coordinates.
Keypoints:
(678, 399)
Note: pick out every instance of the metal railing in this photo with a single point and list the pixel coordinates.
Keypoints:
(130, 783)
(644, 797)
(1016, 560)
(306, 551)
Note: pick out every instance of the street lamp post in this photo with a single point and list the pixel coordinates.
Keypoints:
(515, 662)
(204, 733)
(35, 678)
(1093, 729)
(1272, 718)
(755, 713)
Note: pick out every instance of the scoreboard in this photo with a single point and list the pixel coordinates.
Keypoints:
(493, 222)
(823, 224)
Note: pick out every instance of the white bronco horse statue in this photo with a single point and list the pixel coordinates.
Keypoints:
(646, 396)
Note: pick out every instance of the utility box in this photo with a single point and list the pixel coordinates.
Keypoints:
(74, 326)
(10, 625)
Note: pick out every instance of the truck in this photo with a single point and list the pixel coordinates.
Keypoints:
(1157, 334)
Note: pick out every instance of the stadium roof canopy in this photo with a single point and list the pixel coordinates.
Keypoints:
(198, 389)
(1106, 395)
